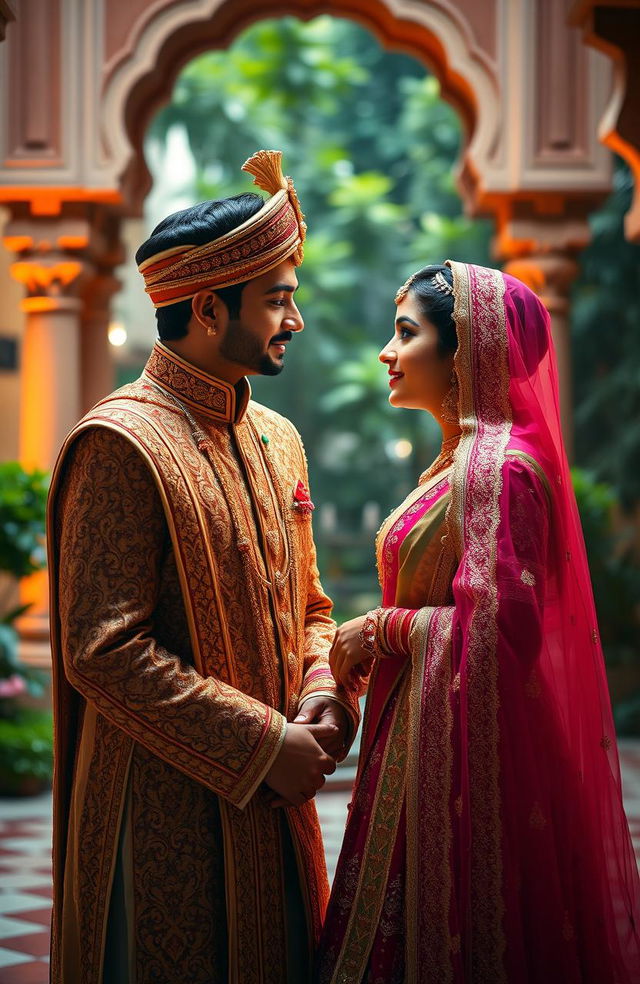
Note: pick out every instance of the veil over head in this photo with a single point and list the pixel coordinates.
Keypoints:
(487, 841)
(509, 408)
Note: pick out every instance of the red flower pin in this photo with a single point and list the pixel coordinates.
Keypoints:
(301, 498)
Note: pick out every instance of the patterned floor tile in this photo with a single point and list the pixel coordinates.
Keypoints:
(25, 866)
(34, 972)
(33, 945)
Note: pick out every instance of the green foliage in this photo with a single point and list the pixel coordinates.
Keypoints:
(372, 147)
(614, 573)
(373, 150)
(26, 752)
(23, 500)
(606, 347)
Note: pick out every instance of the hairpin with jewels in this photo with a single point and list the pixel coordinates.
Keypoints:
(441, 283)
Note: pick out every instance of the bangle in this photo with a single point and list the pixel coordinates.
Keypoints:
(369, 631)
(382, 644)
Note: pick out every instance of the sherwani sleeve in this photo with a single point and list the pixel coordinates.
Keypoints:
(112, 541)
(319, 632)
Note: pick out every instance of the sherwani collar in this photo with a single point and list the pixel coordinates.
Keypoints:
(201, 393)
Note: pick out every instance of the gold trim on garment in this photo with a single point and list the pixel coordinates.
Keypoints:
(430, 834)
(481, 364)
(365, 913)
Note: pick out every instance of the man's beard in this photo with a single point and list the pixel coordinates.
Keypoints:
(242, 347)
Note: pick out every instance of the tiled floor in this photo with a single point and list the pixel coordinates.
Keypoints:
(25, 867)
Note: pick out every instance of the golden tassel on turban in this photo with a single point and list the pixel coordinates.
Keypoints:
(270, 236)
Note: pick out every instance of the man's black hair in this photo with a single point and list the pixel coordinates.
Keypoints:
(193, 227)
(435, 305)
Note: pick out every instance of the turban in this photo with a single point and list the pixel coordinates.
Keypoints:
(270, 236)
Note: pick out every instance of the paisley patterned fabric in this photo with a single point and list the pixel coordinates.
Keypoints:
(188, 622)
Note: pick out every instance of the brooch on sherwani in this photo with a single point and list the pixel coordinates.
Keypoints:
(301, 499)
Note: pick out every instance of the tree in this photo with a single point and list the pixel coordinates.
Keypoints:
(372, 147)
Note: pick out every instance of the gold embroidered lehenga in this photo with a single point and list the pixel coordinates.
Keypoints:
(188, 624)
(486, 840)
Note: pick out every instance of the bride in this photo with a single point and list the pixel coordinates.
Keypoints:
(486, 840)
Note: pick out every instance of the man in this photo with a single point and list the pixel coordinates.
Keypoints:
(190, 632)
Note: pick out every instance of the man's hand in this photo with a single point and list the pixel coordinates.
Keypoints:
(349, 662)
(324, 710)
(301, 764)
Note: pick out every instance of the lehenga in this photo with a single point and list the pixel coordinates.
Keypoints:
(486, 840)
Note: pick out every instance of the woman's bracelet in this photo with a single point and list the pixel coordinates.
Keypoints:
(368, 635)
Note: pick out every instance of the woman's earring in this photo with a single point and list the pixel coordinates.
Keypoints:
(450, 404)
(211, 330)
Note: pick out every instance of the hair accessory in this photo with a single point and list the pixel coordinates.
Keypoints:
(277, 231)
(441, 283)
(402, 292)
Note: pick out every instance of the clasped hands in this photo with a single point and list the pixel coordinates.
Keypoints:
(316, 740)
(313, 744)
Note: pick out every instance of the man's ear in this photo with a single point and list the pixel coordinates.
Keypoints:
(209, 311)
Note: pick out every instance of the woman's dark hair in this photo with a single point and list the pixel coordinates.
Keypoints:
(435, 305)
(194, 227)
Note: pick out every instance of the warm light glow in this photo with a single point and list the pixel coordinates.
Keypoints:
(38, 276)
(117, 333)
(48, 200)
(402, 448)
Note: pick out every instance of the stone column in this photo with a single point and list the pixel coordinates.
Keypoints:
(52, 265)
(551, 275)
(538, 241)
(613, 27)
(96, 354)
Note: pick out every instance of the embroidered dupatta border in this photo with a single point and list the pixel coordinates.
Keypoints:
(356, 945)
(428, 796)
(481, 364)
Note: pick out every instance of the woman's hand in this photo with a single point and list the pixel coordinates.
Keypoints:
(348, 660)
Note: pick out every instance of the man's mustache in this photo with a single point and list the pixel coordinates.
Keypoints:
(285, 336)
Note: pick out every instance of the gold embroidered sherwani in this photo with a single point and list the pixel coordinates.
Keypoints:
(188, 624)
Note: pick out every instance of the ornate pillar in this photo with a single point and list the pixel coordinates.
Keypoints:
(96, 360)
(96, 354)
(613, 27)
(542, 250)
(52, 264)
(551, 275)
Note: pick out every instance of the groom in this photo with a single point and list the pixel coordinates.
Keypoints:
(190, 632)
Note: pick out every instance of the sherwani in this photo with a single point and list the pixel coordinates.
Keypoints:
(188, 626)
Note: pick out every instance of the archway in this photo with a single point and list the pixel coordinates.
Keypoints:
(93, 73)
(437, 33)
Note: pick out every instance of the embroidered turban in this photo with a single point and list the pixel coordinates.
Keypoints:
(270, 236)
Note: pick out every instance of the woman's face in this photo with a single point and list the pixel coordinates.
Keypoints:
(419, 377)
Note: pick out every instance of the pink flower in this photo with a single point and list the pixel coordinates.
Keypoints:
(302, 499)
(12, 686)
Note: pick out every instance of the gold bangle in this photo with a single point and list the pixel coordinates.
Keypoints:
(368, 632)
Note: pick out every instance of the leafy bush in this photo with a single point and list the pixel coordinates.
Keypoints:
(23, 504)
(615, 573)
(26, 752)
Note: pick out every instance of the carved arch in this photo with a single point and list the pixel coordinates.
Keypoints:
(172, 32)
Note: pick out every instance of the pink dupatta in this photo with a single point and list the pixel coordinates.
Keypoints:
(519, 866)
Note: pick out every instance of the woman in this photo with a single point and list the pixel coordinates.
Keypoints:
(486, 841)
